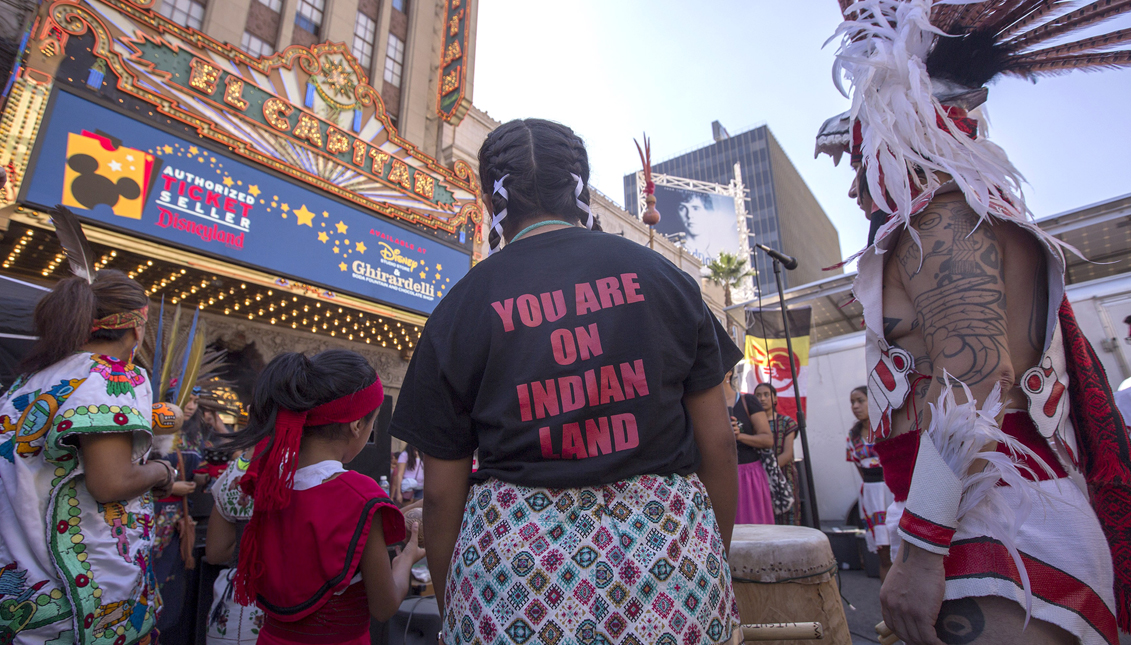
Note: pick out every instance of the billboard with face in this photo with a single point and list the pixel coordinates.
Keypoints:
(708, 221)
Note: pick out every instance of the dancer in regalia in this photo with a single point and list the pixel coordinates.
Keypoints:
(314, 555)
(76, 512)
(970, 387)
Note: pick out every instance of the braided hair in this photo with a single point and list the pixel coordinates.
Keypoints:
(531, 168)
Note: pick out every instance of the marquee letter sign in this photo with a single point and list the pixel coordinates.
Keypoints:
(452, 104)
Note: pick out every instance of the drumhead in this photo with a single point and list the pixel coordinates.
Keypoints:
(764, 553)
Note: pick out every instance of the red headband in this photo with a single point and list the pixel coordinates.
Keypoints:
(271, 476)
(121, 320)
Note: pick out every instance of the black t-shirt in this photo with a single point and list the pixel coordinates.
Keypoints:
(564, 359)
(747, 454)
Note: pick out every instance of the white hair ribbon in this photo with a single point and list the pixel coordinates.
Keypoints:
(497, 222)
(580, 204)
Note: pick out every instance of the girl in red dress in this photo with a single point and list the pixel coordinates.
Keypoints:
(314, 555)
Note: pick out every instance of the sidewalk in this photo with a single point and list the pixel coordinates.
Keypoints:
(863, 593)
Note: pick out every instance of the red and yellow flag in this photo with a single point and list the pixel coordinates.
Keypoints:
(768, 356)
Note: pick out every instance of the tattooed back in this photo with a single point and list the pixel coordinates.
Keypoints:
(971, 301)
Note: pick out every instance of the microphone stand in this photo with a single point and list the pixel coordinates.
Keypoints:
(801, 430)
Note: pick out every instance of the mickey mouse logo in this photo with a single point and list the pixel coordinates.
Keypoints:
(92, 189)
(101, 172)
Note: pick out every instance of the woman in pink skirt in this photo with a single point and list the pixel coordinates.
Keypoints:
(753, 435)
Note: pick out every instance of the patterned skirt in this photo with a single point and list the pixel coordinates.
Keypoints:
(639, 561)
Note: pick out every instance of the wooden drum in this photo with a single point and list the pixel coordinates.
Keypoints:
(787, 574)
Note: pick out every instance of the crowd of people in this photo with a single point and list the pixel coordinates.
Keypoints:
(303, 543)
(587, 454)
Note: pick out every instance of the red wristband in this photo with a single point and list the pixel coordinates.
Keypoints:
(924, 530)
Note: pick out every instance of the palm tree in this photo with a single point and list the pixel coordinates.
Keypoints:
(727, 270)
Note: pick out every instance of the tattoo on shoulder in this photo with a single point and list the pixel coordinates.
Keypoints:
(960, 621)
(908, 255)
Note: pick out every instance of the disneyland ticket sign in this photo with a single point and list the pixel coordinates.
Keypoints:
(122, 173)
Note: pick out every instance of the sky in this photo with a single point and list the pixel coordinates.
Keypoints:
(612, 69)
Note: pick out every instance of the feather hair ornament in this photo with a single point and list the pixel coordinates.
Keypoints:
(74, 242)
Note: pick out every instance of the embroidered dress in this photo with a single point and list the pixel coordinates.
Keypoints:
(72, 570)
(874, 497)
(782, 426)
(229, 621)
(637, 561)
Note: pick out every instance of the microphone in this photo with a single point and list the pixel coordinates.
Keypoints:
(789, 262)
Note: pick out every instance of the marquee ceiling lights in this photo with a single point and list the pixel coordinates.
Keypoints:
(35, 254)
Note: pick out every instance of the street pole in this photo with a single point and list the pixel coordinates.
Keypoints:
(801, 429)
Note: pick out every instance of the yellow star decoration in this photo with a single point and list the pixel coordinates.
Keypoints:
(342, 227)
(253, 190)
(337, 250)
(305, 217)
(322, 237)
(423, 275)
(439, 268)
(192, 150)
(436, 277)
(285, 207)
(342, 266)
(228, 182)
(361, 247)
(325, 214)
(168, 150)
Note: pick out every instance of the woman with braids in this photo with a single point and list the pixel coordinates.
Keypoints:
(588, 373)
(874, 496)
(76, 512)
(313, 556)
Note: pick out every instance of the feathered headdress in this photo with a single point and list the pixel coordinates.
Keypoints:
(915, 70)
